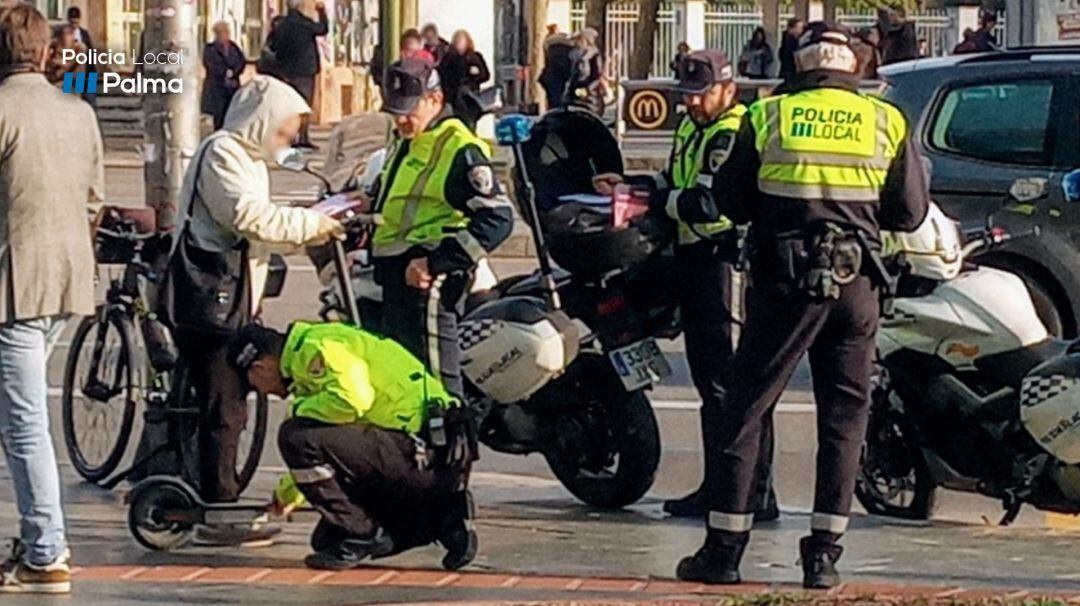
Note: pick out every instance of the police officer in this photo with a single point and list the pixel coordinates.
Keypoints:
(706, 249)
(817, 172)
(359, 444)
(442, 211)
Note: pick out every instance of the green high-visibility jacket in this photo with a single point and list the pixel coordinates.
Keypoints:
(341, 374)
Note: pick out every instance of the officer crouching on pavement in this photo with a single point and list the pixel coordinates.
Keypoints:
(818, 173)
(705, 252)
(374, 442)
(442, 211)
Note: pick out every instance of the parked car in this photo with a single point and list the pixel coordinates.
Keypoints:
(1000, 124)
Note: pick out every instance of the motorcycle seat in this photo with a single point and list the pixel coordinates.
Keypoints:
(1010, 367)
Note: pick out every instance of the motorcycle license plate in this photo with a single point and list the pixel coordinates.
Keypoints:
(640, 364)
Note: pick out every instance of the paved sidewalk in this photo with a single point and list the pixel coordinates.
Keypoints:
(537, 543)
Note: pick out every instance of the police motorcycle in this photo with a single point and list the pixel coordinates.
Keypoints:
(972, 392)
(555, 363)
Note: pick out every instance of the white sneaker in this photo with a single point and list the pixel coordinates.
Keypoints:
(256, 534)
(19, 576)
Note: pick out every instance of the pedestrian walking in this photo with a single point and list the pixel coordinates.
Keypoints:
(982, 40)
(57, 67)
(788, 46)
(434, 43)
(705, 253)
(817, 172)
(756, 59)
(296, 53)
(224, 62)
(898, 39)
(51, 168)
(412, 47)
(225, 227)
(681, 51)
(74, 21)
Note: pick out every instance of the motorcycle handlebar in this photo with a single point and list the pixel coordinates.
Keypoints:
(997, 236)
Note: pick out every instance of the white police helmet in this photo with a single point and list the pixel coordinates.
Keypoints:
(933, 250)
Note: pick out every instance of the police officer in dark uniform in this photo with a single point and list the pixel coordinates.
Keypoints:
(442, 211)
(706, 248)
(817, 172)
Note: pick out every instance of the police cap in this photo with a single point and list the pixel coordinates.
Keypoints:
(701, 70)
(826, 46)
(406, 82)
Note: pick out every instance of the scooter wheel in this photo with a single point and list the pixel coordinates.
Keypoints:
(153, 514)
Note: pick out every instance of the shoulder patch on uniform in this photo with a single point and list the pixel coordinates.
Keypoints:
(720, 151)
(482, 179)
(317, 366)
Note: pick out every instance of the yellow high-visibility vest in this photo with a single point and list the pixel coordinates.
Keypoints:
(689, 158)
(414, 207)
(826, 144)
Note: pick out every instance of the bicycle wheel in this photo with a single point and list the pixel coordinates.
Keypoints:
(100, 394)
(252, 440)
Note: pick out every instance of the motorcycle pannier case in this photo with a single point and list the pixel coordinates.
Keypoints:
(1050, 406)
(512, 347)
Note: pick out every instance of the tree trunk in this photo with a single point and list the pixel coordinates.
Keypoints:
(596, 18)
(537, 33)
(641, 56)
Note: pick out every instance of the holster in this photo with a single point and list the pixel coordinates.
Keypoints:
(816, 264)
(450, 436)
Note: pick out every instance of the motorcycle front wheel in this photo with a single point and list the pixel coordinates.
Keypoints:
(606, 451)
(893, 477)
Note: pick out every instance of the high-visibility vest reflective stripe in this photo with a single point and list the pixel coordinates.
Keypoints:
(826, 144)
(688, 160)
(413, 207)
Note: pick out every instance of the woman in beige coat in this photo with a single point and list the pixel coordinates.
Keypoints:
(224, 208)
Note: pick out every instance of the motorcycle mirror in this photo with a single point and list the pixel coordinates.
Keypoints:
(292, 159)
(513, 129)
(1070, 185)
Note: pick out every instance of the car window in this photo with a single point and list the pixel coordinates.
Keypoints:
(1004, 122)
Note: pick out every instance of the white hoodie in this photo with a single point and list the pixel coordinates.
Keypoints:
(233, 201)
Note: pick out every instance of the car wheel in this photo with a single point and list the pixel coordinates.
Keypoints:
(1047, 309)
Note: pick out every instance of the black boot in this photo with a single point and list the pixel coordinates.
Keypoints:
(717, 562)
(690, 506)
(350, 552)
(819, 556)
(459, 538)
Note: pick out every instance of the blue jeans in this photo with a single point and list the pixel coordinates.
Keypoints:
(24, 427)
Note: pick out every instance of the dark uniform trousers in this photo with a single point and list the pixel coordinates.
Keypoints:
(360, 477)
(707, 297)
(222, 397)
(781, 327)
(424, 321)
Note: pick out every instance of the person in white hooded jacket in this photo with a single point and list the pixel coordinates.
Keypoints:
(225, 209)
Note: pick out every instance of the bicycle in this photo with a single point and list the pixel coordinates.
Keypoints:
(109, 372)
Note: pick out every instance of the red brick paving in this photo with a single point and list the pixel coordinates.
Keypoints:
(680, 593)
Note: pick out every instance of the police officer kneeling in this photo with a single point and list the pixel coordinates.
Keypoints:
(817, 172)
(374, 442)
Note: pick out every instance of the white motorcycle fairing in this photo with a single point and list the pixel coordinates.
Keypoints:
(979, 313)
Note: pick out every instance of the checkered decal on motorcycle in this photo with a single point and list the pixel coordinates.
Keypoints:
(472, 332)
(1036, 390)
